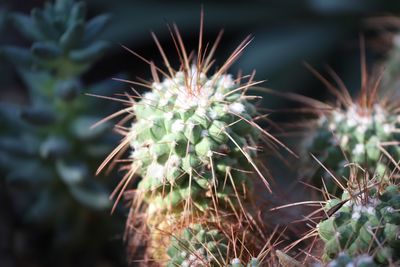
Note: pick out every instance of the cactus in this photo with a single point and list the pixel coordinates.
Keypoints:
(194, 143)
(187, 142)
(363, 132)
(197, 246)
(48, 152)
(204, 245)
(368, 222)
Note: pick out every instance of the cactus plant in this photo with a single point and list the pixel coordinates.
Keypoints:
(48, 152)
(193, 142)
(367, 223)
(362, 132)
(197, 246)
(205, 245)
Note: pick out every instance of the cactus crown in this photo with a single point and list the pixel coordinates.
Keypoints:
(193, 137)
(362, 132)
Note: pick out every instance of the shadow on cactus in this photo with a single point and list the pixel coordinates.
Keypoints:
(193, 141)
(48, 153)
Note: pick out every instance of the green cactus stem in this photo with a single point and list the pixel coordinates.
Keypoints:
(193, 142)
(369, 222)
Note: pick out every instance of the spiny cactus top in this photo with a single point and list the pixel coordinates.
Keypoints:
(369, 222)
(358, 132)
(191, 139)
(363, 132)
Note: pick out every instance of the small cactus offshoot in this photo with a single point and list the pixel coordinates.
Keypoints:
(368, 222)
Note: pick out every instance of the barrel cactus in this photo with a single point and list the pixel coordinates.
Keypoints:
(366, 223)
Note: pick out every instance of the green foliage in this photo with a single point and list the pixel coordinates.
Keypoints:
(63, 41)
(48, 152)
(368, 223)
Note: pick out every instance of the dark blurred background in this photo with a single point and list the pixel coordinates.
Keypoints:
(286, 34)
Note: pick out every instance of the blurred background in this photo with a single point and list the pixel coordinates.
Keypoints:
(286, 34)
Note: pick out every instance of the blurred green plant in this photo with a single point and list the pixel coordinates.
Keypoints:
(48, 151)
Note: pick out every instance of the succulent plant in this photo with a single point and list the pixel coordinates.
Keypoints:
(63, 41)
(48, 153)
(368, 222)
(203, 245)
(198, 246)
(362, 132)
(193, 143)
